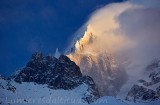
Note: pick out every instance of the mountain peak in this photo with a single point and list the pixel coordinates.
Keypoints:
(61, 73)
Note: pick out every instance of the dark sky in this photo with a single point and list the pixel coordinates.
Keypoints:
(27, 26)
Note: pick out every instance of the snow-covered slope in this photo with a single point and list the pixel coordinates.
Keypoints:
(13, 93)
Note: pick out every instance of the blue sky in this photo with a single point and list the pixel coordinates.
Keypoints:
(27, 26)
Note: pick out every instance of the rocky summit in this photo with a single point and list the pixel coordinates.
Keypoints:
(61, 73)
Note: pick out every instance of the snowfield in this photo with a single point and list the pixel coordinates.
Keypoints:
(12, 93)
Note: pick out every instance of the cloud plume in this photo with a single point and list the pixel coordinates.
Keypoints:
(130, 31)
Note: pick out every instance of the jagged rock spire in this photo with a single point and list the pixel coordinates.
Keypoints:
(57, 53)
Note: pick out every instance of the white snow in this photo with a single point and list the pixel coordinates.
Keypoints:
(30, 93)
(36, 94)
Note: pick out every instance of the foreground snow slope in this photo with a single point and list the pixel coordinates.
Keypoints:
(30, 93)
(12, 93)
